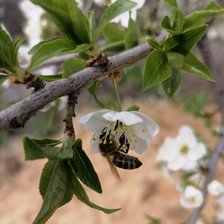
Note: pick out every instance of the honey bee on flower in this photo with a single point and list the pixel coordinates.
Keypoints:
(115, 133)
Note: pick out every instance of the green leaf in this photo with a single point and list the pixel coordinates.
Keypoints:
(34, 149)
(113, 33)
(183, 43)
(92, 90)
(54, 188)
(154, 44)
(92, 26)
(50, 78)
(199, 17)
(200, 100)
(157, 69)
(83, 47)
(82, 196)
(132, 35)
(178, 20)
(171, 85)
(49, 48)
(46, 142)
(84, 168)
(133, 108)
(8, 51)
(194, 66)
(3, 77)
(166, 24)
(175, 59)
(171, 3)
(113, 46)
(58, 10)
(80, 22)
(114, 10)
(72, 66)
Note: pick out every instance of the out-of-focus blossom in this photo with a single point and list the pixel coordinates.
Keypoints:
(182, 152)
(191, 197)
(215, 188)
(220, 217)
(216, 31)
(124, 17)
(33, 28)
(134, 128)
(102, 2)
(33, 31)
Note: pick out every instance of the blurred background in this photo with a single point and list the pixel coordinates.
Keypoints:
(144, 192)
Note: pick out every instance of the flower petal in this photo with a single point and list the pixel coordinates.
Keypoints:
(139, 146)
(94, 143)
(198, 151)
(167, 152)
(215, 188)
(191, 197)
(147, 129)
(186, 136)
(94, 121)
(128, 118)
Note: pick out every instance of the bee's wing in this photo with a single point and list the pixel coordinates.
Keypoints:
(113, 168)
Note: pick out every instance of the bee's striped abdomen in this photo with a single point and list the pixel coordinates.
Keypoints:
(126, 162)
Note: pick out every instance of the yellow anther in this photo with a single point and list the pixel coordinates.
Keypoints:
(113, 132)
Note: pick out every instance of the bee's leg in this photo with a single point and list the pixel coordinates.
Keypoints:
(124, 144)
(116, 125)
(103, 134)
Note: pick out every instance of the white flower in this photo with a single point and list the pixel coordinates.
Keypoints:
(124, 17)
(33, 28)
(182, 152)
(134, 128)
(215, 188)
(220, 217)
(101, 2)
(191, 197)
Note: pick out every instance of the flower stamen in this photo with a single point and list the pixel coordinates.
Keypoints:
(184, 150)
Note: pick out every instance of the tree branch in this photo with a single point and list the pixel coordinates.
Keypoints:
(219, 92)
(16, 115)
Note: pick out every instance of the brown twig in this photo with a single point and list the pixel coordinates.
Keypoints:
(219, 92)
(69, 128)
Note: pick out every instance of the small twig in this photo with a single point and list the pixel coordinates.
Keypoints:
(72, 101)
(219, 91)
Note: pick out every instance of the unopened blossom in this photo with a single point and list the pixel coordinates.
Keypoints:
(191, 197)
(182, 152)
(136, 127)
(215, 188)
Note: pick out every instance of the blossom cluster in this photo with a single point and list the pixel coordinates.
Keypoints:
(185, 154)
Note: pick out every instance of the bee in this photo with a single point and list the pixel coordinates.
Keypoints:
(116, 154)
